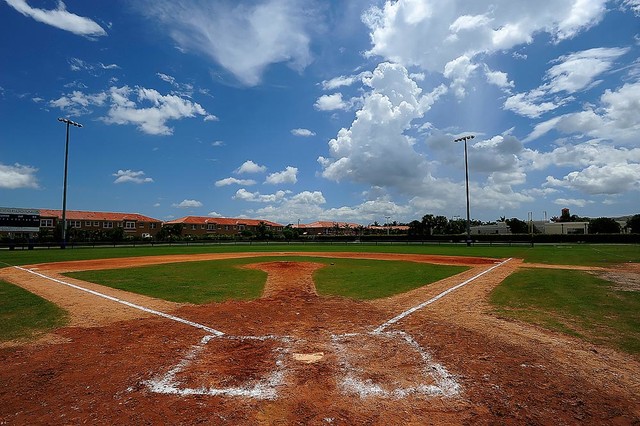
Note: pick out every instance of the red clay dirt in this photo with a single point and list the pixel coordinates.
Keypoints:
(293, 357)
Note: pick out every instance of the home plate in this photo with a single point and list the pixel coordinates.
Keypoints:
(390, 365)
(309, 358)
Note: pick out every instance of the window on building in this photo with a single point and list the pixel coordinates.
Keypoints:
(141, 225)
(211, 227)
(152, 225)
(194, 227)
(119, 224)
(75, 223)
(87, 223)
(129, 225)
(46, 223)
(201, 226)
(96, 223)
(107, 224)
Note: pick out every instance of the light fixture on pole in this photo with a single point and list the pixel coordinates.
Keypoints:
(466, 174)
(388, 224)
(68, 122)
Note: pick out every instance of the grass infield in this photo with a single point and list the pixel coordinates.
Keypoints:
(218, 280)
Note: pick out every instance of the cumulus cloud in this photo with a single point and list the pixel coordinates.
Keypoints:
(187, 204)
(147, 109)
(244, 195)
(375, 150)
(18, 176)
(129, 176)
(60, 18)
(302, 132)
(243, 37)
(438, 33)
(250, 167)
(607, 179)
(233, 181)
(288, 175)
(331, 102)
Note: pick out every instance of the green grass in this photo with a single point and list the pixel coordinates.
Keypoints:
(25, 315)
(209, 281)
(373, 279)
(188, 282)
(576, 303)
(574, 254)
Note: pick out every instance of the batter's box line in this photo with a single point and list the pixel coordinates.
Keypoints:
(263, 389)
(354, 383)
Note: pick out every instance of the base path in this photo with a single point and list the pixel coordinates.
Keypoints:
(293, 357)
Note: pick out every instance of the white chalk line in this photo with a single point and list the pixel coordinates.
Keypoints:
(262, 389)
(435, 298)
(129, 304)
(353, 383)
(445, 386)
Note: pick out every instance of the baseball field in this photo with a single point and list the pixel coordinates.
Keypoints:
(321, 335)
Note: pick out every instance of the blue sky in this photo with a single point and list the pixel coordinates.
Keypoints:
(314, 110)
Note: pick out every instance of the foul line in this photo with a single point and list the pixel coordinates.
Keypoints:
(439, 296)
(129, 304)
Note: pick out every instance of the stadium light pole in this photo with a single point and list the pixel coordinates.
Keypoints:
(466, 174)
(69, 123)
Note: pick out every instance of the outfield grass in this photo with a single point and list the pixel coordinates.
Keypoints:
(573, 302)
(25, 315)
(572, 254)
(217, 280)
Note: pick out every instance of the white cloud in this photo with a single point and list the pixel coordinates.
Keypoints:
(434, 34)
(244, 195)
(572, 73)
(146, 108)
(615, 119)
(288, 175)
(577, 71)
(233, 181)
(18, 176)
(214, 214)
(187, 204)
(77, 64)
(498, 78)
(184, 89)
(60, 18)
(124, 176)
(243, 37)
(607, 179)
(302, 132)
(529, 104)
(250, 167)
(564, 202)
(375, 150)
(151, 119)
(458, 71)
(344, 80)
(331, 102)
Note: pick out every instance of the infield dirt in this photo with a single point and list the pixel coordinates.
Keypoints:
(304, 353)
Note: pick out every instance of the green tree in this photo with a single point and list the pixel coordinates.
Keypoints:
(415, 228)
(633, 223)
(517, 226)
(604, 225)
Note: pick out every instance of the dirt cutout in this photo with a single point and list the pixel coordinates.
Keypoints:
(293, 357)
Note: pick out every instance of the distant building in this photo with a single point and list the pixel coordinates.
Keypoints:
(328, 228)
(133, 224)
(202, 226)
(46, 220)
(499, 228)
(565, 228)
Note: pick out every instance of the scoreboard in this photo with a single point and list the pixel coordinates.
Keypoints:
(19, 220)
